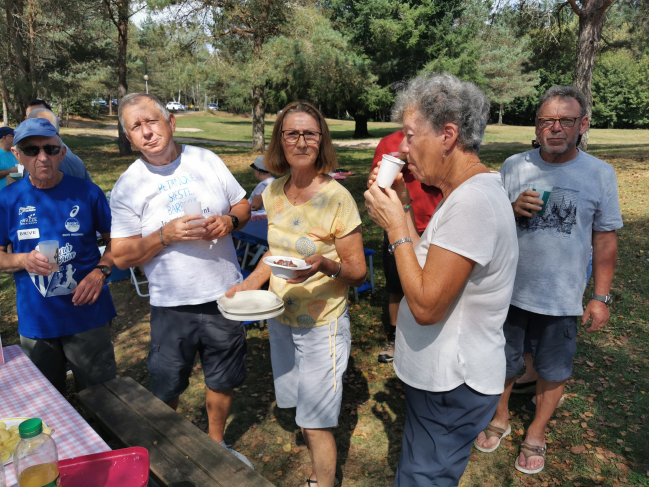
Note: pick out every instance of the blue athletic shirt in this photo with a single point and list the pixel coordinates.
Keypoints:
(70, 212)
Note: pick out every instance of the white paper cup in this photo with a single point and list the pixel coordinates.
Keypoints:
(50, 249)
(193, 208)
(390, 167)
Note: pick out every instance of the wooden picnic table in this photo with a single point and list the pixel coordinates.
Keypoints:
(180, 454)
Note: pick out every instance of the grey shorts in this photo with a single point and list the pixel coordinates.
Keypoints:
(303, 369)
(179, 333)
(90, 354)
(552, 340)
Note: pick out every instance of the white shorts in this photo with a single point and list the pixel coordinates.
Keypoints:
(303, 369)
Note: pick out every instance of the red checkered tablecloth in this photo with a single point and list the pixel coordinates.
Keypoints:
(25, 392)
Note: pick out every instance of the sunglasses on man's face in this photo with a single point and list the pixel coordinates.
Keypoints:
(34, 150)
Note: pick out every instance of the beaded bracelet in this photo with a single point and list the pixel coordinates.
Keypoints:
(408, 206)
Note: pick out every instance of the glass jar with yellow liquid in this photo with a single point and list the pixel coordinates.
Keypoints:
(36, 460)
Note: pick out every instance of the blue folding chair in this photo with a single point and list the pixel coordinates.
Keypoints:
(368, 285)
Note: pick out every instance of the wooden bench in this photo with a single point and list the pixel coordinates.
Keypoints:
(180, 454)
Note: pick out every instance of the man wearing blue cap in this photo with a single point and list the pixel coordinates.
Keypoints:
(71, 163)
(64, 306)
(8, 161)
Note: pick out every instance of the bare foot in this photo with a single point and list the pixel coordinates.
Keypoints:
(535, 461)
(314, 481)
(491, 442)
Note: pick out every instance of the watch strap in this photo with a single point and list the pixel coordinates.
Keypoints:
(606, 299)
(106, 272)
(235, 221)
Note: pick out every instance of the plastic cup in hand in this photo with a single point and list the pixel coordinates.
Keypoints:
(50, 249)
(544, 194)
(390, 167)
(193, 208)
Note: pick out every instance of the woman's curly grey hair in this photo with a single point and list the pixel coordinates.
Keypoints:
(442, 99)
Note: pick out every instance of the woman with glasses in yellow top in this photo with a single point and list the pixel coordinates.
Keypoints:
(312, 217)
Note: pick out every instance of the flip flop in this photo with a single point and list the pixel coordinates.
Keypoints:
(490, 431)
(531, 451)
(524, 387)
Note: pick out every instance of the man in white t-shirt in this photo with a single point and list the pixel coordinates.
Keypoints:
(264, 177)
(189, 260)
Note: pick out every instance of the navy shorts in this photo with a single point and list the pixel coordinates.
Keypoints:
(552, 341)
(392, 281)
(178, 333)
(438, 433)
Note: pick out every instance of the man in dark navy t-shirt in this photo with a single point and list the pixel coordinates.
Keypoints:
(64, 310)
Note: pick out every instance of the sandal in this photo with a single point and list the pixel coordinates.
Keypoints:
(490, 431)
(531, 451)
(530, 406)
(309, 482)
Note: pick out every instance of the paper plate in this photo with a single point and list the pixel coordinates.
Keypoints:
(239, 312)
(250, 302)
(252, 316)
(15, 422)
(285, 272)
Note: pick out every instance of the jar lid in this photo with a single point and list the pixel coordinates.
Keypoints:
(30, 428)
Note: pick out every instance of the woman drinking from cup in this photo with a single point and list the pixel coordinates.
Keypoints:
(311, 217)
(457, 278)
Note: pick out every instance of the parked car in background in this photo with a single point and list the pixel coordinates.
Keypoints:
(212, 106)
(174, 106)
(114, 102)
(99, 102)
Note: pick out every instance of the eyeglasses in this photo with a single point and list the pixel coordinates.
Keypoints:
(292, 136)
(565, 122)
(34, 150)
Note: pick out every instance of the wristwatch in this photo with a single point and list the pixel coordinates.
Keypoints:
(604, 299)
(105, 270)
(235, 221)
(393, 246)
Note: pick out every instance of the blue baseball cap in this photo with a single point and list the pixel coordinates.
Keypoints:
(6, 131)
(34, 126)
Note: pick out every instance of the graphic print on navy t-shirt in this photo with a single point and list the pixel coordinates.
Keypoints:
(559, 217)
(61, 282)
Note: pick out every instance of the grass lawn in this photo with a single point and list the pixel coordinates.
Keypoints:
(598, 438)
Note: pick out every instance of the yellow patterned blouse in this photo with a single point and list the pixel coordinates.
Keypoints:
(302, 231)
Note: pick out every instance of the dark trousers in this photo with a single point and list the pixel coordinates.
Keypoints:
(90, 354)
(439, 431)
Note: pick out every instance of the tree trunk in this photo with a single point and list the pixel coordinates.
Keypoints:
(591, 22)
(122, 86)
(360, 127)
(110, 103)
(59, 101)
(500, 114)
(5, 115)
(258, 114)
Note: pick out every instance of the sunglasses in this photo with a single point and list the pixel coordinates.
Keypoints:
(34, 150)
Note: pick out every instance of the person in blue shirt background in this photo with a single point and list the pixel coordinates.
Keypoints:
(8, 161)
(63, 315)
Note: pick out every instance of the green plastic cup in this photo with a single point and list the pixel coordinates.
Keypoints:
(544, 194)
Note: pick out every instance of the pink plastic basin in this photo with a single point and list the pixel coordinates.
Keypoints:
(128, 467)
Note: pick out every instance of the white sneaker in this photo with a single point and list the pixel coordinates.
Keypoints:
(240, 456)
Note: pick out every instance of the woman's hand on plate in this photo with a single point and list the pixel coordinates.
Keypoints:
(242, 286)
(318, 264)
